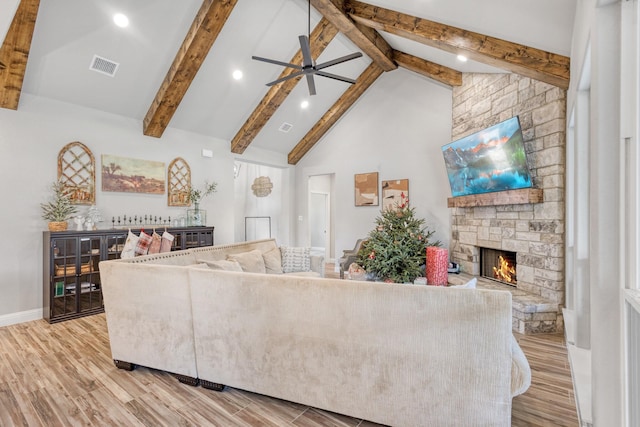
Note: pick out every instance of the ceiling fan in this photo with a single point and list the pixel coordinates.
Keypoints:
(309, 68)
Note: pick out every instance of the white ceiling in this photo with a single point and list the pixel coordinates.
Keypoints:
(69, 32)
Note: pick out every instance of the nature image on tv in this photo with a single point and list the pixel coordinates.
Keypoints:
(490, 160)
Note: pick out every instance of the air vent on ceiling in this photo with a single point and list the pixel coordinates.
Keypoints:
(285, 127)
(104, 66)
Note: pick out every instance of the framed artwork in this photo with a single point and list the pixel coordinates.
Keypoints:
(77, 173)
(366, 189)
(395, 194)
(178, 183)
(128, 175)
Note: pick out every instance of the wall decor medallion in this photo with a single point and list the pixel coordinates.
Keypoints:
(366, 189)
(395, 194)
(77, 173)
(262, 186)
(178, 182)
(128, 175)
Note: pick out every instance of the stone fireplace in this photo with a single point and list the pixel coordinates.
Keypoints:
(531, 228)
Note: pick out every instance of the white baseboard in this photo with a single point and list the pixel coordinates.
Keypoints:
(20, 317)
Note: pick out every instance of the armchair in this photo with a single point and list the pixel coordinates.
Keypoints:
(349, 256)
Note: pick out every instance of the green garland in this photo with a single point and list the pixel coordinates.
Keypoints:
(396, 247)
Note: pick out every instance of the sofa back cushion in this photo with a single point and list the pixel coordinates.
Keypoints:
(222, 264)
(251, 261)
(273, 261)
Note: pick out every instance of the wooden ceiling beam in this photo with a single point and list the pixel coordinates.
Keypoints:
(370, 42)
(14, 53)
(320, 38)
(429, 69)
(530, 62)
(206, 26)
(348, 98)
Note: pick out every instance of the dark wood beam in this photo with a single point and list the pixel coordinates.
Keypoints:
(14, 53)
(348, 98)
(320, 38)
(370, 42)
(429, 69)
(530, 62)
(203, 33)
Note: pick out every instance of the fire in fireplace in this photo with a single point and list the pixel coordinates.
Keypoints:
(498, 265)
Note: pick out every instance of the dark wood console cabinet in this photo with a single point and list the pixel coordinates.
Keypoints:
(71, 279)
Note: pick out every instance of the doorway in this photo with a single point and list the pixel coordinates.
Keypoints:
(320, 229)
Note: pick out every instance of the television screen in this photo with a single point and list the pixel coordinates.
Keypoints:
(486, 161)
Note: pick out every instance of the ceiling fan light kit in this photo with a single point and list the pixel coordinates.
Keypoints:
(309, 68)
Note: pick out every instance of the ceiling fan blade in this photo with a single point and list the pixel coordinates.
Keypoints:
(312, 84)
(290, 76)
(307, 59)
(338, 60)
(273, 61)
(335, 77)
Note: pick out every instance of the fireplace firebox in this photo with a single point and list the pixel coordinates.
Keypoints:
(498, 265)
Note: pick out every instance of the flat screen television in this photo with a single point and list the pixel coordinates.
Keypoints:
(489, 160)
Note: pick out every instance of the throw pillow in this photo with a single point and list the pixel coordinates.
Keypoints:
(222, 264)
(295, 259)
(471, 284)
(144, 240)
(273, 261)
(129, 249)
(251, 262)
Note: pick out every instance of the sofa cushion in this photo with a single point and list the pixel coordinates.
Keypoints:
(222, 264)
(273, 261)
(251, 262)
(295, 259)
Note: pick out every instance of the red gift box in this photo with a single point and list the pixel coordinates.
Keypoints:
(437, 266)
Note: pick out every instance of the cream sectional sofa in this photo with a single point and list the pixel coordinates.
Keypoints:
(394, 354)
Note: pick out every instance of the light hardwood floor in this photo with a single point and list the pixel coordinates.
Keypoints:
(63, 375)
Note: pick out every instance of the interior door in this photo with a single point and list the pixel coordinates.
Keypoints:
(319, 222)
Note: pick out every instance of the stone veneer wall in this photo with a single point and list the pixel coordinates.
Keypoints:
(534, 231)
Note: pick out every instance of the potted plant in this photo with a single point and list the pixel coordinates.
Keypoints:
(195, 216)
(195, 196)
(396, 248)
(59, 209)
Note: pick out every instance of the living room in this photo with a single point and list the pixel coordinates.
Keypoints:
(396, 129)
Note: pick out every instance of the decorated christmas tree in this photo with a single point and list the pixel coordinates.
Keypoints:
(396, 247)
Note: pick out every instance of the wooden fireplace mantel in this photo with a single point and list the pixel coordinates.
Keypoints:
(509, 197)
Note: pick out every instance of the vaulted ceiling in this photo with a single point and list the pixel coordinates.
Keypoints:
(175, 59)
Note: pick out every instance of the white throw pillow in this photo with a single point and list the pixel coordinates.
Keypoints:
(295, 259)
(471, 284)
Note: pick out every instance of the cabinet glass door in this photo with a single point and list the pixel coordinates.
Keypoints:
(88, 290)
(63, 277)
(114, 245)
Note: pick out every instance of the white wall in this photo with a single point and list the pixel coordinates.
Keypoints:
(396, 128)
(30, 140)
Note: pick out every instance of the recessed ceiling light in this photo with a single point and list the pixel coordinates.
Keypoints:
(237, 74)
(462, 58)
(121, 20)
(304, 104)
